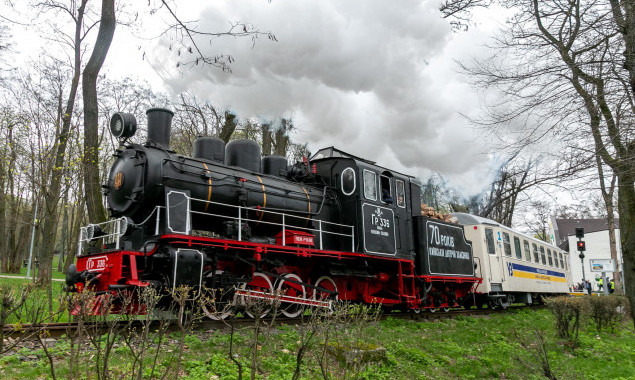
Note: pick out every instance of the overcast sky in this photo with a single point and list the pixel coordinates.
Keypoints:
(374, 78)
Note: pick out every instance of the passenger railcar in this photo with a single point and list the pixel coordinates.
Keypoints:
(515, 268)
(334, 226)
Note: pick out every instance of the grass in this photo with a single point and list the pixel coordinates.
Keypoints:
(461, 348)
(34, 269)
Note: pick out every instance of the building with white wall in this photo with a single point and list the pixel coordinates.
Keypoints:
(596, 238)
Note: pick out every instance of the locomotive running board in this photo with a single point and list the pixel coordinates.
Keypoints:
(283, 298)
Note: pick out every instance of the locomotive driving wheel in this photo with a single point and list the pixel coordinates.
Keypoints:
(221, 303)
(259, 299)
(292, 289)
(327, 283)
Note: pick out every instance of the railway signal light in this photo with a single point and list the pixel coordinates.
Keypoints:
(579, 232)
(581, 246)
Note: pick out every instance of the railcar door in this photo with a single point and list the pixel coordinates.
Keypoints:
(494, 243)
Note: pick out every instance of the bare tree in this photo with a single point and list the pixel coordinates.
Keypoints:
(92, 183)
(582, 73)
(185, 39)
(65, 107)
(538, 219)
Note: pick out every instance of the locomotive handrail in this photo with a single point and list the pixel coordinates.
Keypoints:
(109, 232)
(240, 218)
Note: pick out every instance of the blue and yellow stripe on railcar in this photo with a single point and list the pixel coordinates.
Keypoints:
(525, 271)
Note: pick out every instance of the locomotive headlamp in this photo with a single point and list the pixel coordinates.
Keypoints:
(123, 125)
(125, 225)
(93, 231)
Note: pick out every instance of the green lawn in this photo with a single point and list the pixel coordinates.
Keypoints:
(501, 346)
(23, 270)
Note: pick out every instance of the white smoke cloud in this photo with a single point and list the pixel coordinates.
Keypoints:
(374, 78)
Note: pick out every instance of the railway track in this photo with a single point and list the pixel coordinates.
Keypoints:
(58, 329)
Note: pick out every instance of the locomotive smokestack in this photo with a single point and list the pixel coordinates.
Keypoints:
(159, 125)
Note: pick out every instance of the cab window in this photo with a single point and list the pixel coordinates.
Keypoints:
(370, 185)
(507, 244)
(386, 190)
(489, 239)
(519, 253)
(348, 181)
(401, 193)
(536, 254)
(542, 256)
(527, 251)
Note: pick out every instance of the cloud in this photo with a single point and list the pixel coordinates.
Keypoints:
(373, 78)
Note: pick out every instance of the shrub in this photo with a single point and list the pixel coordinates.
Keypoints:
(567, 312)
(607, 312)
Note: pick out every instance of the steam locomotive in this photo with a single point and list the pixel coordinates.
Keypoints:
(331, 227)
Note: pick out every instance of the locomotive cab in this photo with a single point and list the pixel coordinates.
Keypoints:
(376, 196)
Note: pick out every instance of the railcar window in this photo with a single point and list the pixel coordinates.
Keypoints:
(542, 255)
(527, 251)
(401, 193)
(348, 181)
(507, 244)
(561, 260)
(566, 263)
(519, 253)
(555, 259)
(536, 255)
(370, 185)
(489, 238)
(549, 258)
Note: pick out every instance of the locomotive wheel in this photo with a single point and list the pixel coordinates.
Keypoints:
(222, 305)
(260, 283)
(445, 309)
(289, 288)
(433, 309)
(327, 283)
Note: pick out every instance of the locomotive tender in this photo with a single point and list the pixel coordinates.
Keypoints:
(334, 226)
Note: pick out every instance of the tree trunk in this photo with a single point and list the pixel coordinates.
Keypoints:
(76, 221)
(626, 207)
(92, 185)
(617, 277)
(53, 190)
(63, 242)
(3, 232)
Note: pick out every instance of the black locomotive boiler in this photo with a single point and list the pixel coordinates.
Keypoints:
(334, 226)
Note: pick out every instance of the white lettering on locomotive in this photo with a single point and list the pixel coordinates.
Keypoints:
(437, 238)
(96, 264)
(378, 221)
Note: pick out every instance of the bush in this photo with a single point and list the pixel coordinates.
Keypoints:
(567, 312)
(608, 311)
